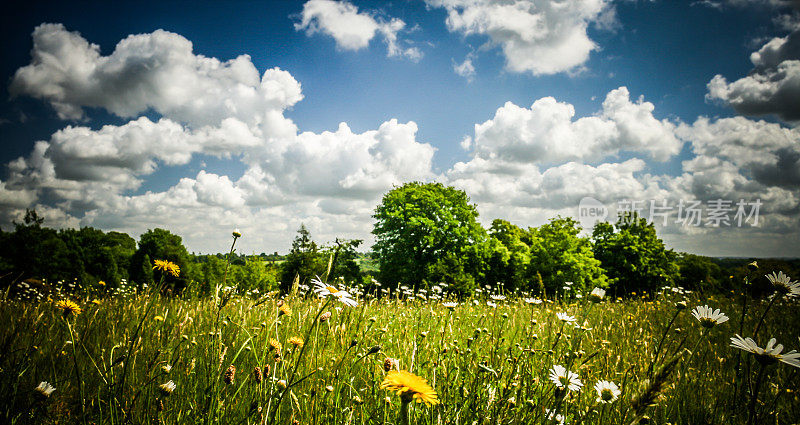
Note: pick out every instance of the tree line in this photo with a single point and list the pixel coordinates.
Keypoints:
(426, 234)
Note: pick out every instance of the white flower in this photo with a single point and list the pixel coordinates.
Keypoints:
(552, 416)
(450, 305)
(709, 317)
(564, 317)
(167, 388)
(564, 378)
(607, 391)
(532, 300)
(597, 294)
(768, 355)
(784, 285)
(166, 368)
(323, 290)
(491, 304)
(498, 297)
(45, 389)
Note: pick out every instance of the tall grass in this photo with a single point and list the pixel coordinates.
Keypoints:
(488, 365)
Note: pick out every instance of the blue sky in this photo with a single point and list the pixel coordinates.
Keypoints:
(193, 142)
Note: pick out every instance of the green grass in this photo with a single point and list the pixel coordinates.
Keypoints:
(488, 365)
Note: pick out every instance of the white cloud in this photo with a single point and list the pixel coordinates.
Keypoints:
(547, 133)
(156, 71)
(772, 87)
(353, 30)
(536, 36)
(465, 69)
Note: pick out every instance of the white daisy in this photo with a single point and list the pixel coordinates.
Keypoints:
(564, 378)
(708, 317)
(532, 300)
(784, 285)
(167, 388)
(564, 317)
(451, 305)
(768, 355)
(323, 290)
(498, 297)
(607, 391)
(552, 416)
(597, 294)
(45, 389)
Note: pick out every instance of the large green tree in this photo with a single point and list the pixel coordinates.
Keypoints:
(304, 260)
(634, 257)
(559, 254)
(161, 244)
(425, 233)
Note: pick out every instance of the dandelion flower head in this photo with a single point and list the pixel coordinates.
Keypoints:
(410, 387)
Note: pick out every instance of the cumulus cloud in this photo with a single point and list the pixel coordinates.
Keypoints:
(90, 174)
(540, 37)
(548, 133)
(465, 69)
(772, 87)
(353, 30)
(156, 71)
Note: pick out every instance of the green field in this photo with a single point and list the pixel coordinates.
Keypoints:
(488, 364)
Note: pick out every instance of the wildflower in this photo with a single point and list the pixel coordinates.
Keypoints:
(564, 317)
(69, 307)
(167, 266)
(768, 355)
(96, 301)
(497, 297)
(491, 304)
(597, 295)
(282, 384)
(329, 388)
(681, 305)
(564, 378)
(158, 318)
(451, 305)
(167, 388)
(409, 386)
(257, 375)
(532, 300)
(45, 389)
(709, 317)
(274, 345)
(230, 375)
(324, 317)
(166, 368)
(284, 309)
(783, 285)
(296, 341)
(607, 391)
(554, 416)
(753, 266)
(323, 290)
(101, 283)
(237, 234)
(390, 363)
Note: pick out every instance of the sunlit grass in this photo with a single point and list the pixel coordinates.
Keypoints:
(148, 358)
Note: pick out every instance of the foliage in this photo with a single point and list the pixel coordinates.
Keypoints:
(425, 233)
(633, 256)
(304, 261)
(161, 244)
(698, 272)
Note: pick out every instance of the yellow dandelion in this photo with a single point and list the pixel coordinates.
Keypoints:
(409, 386)
(158, 318)
(274, 344)
(96, 301)
(296, 341)
(284, 309)
(69, 307)
(101, 283)
(168, 267)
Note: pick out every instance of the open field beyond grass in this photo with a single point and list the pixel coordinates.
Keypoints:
(237, 360)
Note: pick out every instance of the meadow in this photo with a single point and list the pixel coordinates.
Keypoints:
(327, 357)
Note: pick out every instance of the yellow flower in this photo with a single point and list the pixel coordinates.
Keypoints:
(409, 386)
(167, 266)
(159, 318)
(296, 341)
(69, 307)
(274, 344)
(101, 283)
(96, 301)
(284, 309)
